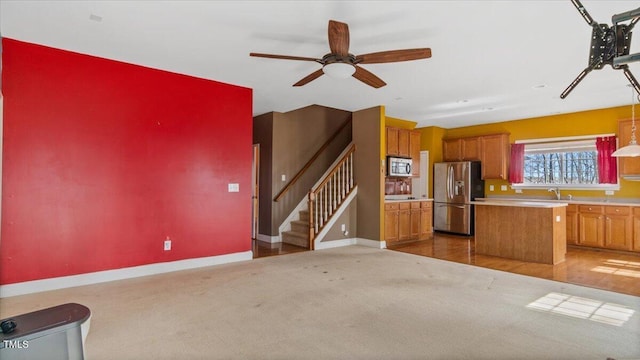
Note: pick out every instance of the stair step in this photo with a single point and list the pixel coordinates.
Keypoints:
(304, 215)
(300, 226)
(296, 238)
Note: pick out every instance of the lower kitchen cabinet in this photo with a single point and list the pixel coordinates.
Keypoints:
(572, 224)
(636, 229)
(414, 221)
(609, 227)
(426, 220)
(391, 222)
(410, 220)
(591, 226)
(404, 222)
(618, 227)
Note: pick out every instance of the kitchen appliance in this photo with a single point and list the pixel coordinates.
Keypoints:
(455, 184)
(397, 166)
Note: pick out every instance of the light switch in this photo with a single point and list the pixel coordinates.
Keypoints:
(234, 187)
(284, 177)
(503, 187)
(491, 188)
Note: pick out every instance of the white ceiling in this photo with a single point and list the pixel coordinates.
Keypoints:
(492, 60)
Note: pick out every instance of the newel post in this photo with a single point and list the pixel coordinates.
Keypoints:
(312, 233)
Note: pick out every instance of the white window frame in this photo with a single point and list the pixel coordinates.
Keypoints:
(568, 143)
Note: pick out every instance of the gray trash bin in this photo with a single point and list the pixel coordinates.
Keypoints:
(53, 333)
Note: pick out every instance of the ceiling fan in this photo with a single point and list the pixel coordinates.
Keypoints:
(342, 64)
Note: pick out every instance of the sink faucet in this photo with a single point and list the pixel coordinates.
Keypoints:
(556, 191)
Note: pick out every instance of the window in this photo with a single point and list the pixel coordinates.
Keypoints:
(564, 163)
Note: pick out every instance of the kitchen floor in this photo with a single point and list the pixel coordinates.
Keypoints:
(263, 249)
(602, 269)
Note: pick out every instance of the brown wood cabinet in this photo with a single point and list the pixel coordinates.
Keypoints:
(494, 156)
(452, 150)
(572, 224)
(392, 141)
(414, 221)
(591, 225)
(414, 149)
(410, 220)
(426, 220)
(391, 222)
(609, 226)
(627, 166)
(491, 150)
(404, 143)
(635, 218)
(404, 221)
(618, 227)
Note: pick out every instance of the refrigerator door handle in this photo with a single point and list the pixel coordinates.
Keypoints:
(450, 205)
(450, 182)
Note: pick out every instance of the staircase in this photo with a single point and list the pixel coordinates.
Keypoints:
(323, 201)
(299, 233)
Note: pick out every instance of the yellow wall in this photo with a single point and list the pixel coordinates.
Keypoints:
(603, 121)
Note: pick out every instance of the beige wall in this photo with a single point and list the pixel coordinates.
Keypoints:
(369, 171)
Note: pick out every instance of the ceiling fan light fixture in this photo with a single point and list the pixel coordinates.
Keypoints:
(339, 70)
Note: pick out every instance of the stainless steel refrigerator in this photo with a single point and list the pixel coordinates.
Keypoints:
(455, 184)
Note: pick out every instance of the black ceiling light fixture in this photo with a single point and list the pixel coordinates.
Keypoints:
(610, 45)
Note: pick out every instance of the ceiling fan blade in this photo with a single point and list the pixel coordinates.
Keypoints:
(339, 38)
(394, 56)
(368, 77)
(285, 57)
(309, 78)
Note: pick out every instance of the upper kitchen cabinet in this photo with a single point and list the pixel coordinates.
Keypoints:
(491, 150)
(404, 143)
(494, 156)
(392, 141)
(629, 166)
(414, 151)
(461, 149)
(398, 142)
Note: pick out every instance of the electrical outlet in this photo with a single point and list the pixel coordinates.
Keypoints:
(608, 192)
(167, 244)
(234, 187)
(344, 227)
(503, 187)
(284, 177)
(492, 188)
(518, 191)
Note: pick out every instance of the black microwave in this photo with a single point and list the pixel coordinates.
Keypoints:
(397, 166)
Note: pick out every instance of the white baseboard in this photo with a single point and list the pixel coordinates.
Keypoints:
(269, 239)
(348, 242)
(379, 244)
(29, 287)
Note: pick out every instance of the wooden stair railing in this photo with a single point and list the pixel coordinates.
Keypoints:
(306, 166)
(327, 197)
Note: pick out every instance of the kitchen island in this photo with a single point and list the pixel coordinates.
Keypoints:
(533, 231)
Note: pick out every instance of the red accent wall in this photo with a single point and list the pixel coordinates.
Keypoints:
(102, 160)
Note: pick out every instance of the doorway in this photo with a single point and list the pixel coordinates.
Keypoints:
(255, 173)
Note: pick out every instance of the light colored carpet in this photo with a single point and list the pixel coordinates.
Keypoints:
(347, 303)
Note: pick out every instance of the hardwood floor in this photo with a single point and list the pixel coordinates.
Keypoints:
(263, 249)
(608, 270)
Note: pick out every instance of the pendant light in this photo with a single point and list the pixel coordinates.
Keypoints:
(633, 149)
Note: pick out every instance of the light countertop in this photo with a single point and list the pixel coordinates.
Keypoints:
(579, 201)
(516, 203)
(404, 198)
